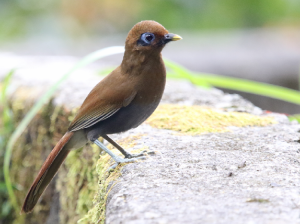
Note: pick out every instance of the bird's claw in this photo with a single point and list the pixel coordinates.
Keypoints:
(126, 160)
(137, 155)
(119, 160)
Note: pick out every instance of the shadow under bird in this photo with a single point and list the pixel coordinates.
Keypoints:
(121, 101)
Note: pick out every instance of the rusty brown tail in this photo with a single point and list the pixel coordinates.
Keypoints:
(47, 172)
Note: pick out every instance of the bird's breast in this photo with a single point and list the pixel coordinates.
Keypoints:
(148, 82)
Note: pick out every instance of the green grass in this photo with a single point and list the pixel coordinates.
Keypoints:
(206, 80)
(176, 71)
(6, 128)
(295, 117)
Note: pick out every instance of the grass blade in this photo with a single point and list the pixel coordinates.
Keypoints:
(263, 89)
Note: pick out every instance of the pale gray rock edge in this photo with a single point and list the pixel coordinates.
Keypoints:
(248, 175)
(188, 180)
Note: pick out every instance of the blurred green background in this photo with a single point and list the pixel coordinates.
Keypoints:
(252, 39)
(21, 19)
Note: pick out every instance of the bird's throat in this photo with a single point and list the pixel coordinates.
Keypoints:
(134, 62)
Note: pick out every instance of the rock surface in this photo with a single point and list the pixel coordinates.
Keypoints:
(247, 175)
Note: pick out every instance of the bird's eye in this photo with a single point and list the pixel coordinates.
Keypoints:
(149, 37)
(146, 39)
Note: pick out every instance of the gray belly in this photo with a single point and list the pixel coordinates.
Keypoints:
(126, 118)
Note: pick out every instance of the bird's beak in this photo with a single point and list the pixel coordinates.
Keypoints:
(172, 37)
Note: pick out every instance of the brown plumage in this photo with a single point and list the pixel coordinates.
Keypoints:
(121, 101)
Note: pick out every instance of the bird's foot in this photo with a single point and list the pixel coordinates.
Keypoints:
(119, 160)
(137, 155)
(116, 158)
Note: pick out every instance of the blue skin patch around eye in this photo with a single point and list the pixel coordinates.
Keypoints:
(146, 39)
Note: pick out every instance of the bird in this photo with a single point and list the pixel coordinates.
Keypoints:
(121, 101)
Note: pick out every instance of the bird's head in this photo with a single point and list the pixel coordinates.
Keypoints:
(149, 35)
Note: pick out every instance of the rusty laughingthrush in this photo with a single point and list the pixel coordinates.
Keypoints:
(121, 101)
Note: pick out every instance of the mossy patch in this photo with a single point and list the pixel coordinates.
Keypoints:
(77, 184)
(198, 120)
(29, 153)
(106, 180)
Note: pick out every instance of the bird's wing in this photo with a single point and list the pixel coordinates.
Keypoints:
(102, 102)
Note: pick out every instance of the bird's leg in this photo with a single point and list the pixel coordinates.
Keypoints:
(123, 151)
(115, 157)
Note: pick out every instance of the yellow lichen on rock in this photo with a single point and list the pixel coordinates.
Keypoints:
(77, 183)
(106, 180)
(198, 119)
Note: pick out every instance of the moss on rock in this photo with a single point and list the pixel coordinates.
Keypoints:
(29, 153)
(195, 120)
(106, 180)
